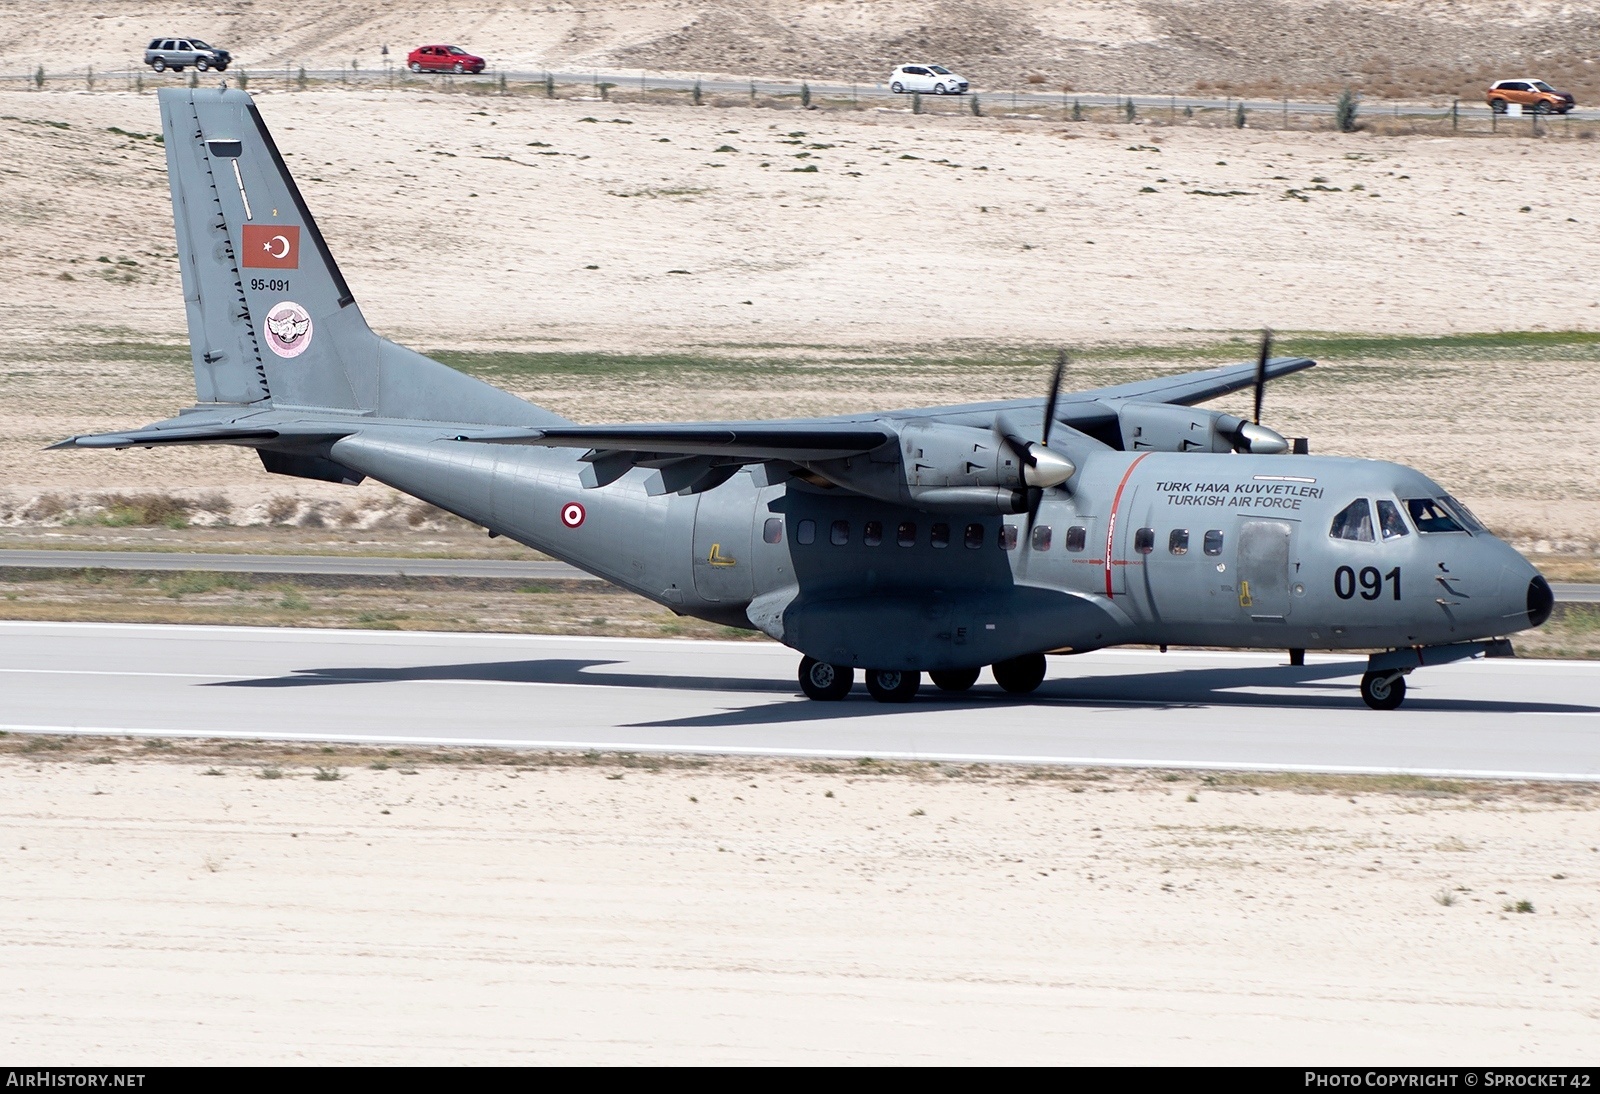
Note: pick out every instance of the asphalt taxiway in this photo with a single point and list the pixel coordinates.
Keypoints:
(1507, 718)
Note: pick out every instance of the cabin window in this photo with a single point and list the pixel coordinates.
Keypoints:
(1077, 537)
(1178, 541)
(839, 534)
(973, 537)
(1144, 540)
(941, 535)
(872, 533)
(1213, 542)
(1041, 537)
(772, 531)
(1390, 522)
(906, 534)
(1008, 537)
(806, 533)
(1430, 515)
(1353, 522)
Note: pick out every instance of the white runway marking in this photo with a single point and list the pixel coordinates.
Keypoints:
(1125, 708)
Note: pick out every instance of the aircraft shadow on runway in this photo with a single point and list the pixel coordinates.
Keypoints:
(1296, 687)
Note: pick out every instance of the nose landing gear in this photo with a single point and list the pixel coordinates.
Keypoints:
(1383, 690)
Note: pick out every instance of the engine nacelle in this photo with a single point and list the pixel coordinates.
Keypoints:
(1165, 427)
(950, 468)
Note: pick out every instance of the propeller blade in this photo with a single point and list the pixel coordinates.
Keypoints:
(1055, 392)
(1261, 371)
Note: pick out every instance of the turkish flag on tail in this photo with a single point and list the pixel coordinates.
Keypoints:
(273, 246)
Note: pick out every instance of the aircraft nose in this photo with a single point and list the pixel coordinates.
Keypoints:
(1540, 600)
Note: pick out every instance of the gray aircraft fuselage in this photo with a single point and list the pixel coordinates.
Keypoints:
(817, 580)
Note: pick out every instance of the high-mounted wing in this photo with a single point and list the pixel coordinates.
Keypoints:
(745, 441)
(690, 457)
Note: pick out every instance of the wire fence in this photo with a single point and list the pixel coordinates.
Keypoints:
(1027, 102)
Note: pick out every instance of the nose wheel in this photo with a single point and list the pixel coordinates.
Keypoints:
(1383, 690)
(824, 682)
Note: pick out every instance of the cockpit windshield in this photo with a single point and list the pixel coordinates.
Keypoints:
(1354, 521)
(938, 70)
(1540, 85)
(198, 44)
(457, 51)
(1432, 515)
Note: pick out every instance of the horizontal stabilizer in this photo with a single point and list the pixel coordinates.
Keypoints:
(207, 433)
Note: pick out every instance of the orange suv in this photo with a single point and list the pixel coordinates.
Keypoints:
(1533, 95)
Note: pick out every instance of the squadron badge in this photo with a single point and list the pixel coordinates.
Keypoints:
(288, 329)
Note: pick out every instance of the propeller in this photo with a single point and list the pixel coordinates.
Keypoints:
(1261, 371)
(1252, 435)
(1042, 466)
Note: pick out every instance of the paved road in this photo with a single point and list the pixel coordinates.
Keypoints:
(998, 99)
(1496, 718)
(509, 569)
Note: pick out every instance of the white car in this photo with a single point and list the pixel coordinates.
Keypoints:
(934, 78)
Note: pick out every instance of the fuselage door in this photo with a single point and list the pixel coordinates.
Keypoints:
(723, 524)
(1265, 550)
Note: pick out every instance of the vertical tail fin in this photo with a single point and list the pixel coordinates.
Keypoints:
(271, 320)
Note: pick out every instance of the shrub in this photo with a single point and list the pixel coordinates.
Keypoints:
(1344, 113)
(805, 95)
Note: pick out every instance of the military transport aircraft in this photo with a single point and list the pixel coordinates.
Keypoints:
(937, 540)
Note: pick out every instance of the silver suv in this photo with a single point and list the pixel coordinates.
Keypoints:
(178, 53)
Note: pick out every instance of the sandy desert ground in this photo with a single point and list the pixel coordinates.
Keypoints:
(173, 906)
(925, 260)
(1409, 48)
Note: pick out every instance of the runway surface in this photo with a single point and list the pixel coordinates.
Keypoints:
(1494, 718)
(351, 565)
(508, 569)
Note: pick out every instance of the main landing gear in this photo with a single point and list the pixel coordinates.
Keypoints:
(830, 683)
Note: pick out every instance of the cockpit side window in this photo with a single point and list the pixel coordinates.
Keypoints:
(1430, 515)
(1354, 521)
(1390, 521)
(1463, 514)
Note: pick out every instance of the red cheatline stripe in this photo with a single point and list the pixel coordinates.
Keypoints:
(1111, 525)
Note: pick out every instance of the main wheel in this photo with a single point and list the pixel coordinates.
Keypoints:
(1019, 675)
(898, 88)
(953, 679)
(201, 63)
(939, 89)
(1498, 106)
(824, 682)
(1382, 691)
(222, 68)
(1541, 108)
(893, 685)
(458, 68)
(415, 66)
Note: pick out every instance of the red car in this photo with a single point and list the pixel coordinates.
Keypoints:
(443, 59)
